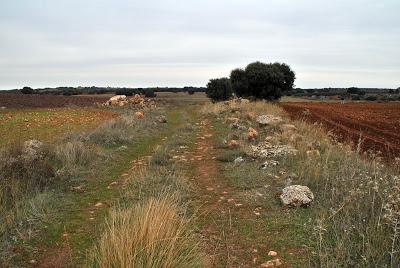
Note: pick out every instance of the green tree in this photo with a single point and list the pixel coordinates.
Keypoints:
(27, 90)
(269, 81)
(239, 82)
(219, 89)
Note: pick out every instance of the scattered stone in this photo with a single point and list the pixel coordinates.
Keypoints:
(137, 99)
(265, 120)
(238, 205)
(269, 163)
(210, 189)
(114, 183)
(267, 150)
(122, 148)
(231, 200)
(78, 189)
(272, 263)
(32, 261)
(272, 253)
(238, 160)
(233, 120)
(99, 205)
(296, 196)
(252, 134)
(161, 119)
(233, 144)
(119, 100)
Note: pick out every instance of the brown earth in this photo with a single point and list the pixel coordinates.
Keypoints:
(221, 210)
(9, 100)
(376, 124)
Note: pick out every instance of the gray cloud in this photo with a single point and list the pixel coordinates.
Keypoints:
(171, 42)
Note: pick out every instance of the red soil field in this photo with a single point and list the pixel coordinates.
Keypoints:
(48, 101)
(378, 124)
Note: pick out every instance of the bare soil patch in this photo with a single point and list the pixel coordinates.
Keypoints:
(377, 124)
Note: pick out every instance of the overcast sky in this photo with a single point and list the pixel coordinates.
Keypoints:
(328, 43)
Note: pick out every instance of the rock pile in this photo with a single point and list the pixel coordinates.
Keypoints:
(136, 101)
(267, 150)
(296, 196)
(268, 120)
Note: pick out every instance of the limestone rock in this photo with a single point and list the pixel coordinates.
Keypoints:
(119, 100)
(139, 115)
(238, 160)
(137, 99)
(296, 196)
(266, 120)
(252, 134)
(233, 144)
(161, 119)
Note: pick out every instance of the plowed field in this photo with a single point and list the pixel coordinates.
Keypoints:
(378, 124)
(48, 101)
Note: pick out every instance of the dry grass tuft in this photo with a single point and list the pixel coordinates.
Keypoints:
(147, 235)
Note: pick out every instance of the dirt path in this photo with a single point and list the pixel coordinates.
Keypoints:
(220, 209)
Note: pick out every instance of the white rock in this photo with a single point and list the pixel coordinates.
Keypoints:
(296, 196)
(264, 120)
(238, 160)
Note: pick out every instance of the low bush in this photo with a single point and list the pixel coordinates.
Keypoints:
(219, 89)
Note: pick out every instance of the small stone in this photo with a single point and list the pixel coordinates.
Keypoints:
(238, 160)
(264, 120)
(139, 115)
(272, 253)
(32, 261)
(99, 204)
(233, 144)
(78, 189)
(161, 119)
(252, 134)
(296, 196)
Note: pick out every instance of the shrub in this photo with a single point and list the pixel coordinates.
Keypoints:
(27, 90)
(191, 91)
(263, 81)
(21, 173)
(371, 98)
(219, 89)
(149, 93)
(125, 91)
(240, 84)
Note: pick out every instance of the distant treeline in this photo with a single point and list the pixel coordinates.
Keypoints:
(68, 91)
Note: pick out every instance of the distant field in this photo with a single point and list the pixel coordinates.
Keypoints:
(54, 101)
(47, 101)
(378, 124)
(47, 124)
